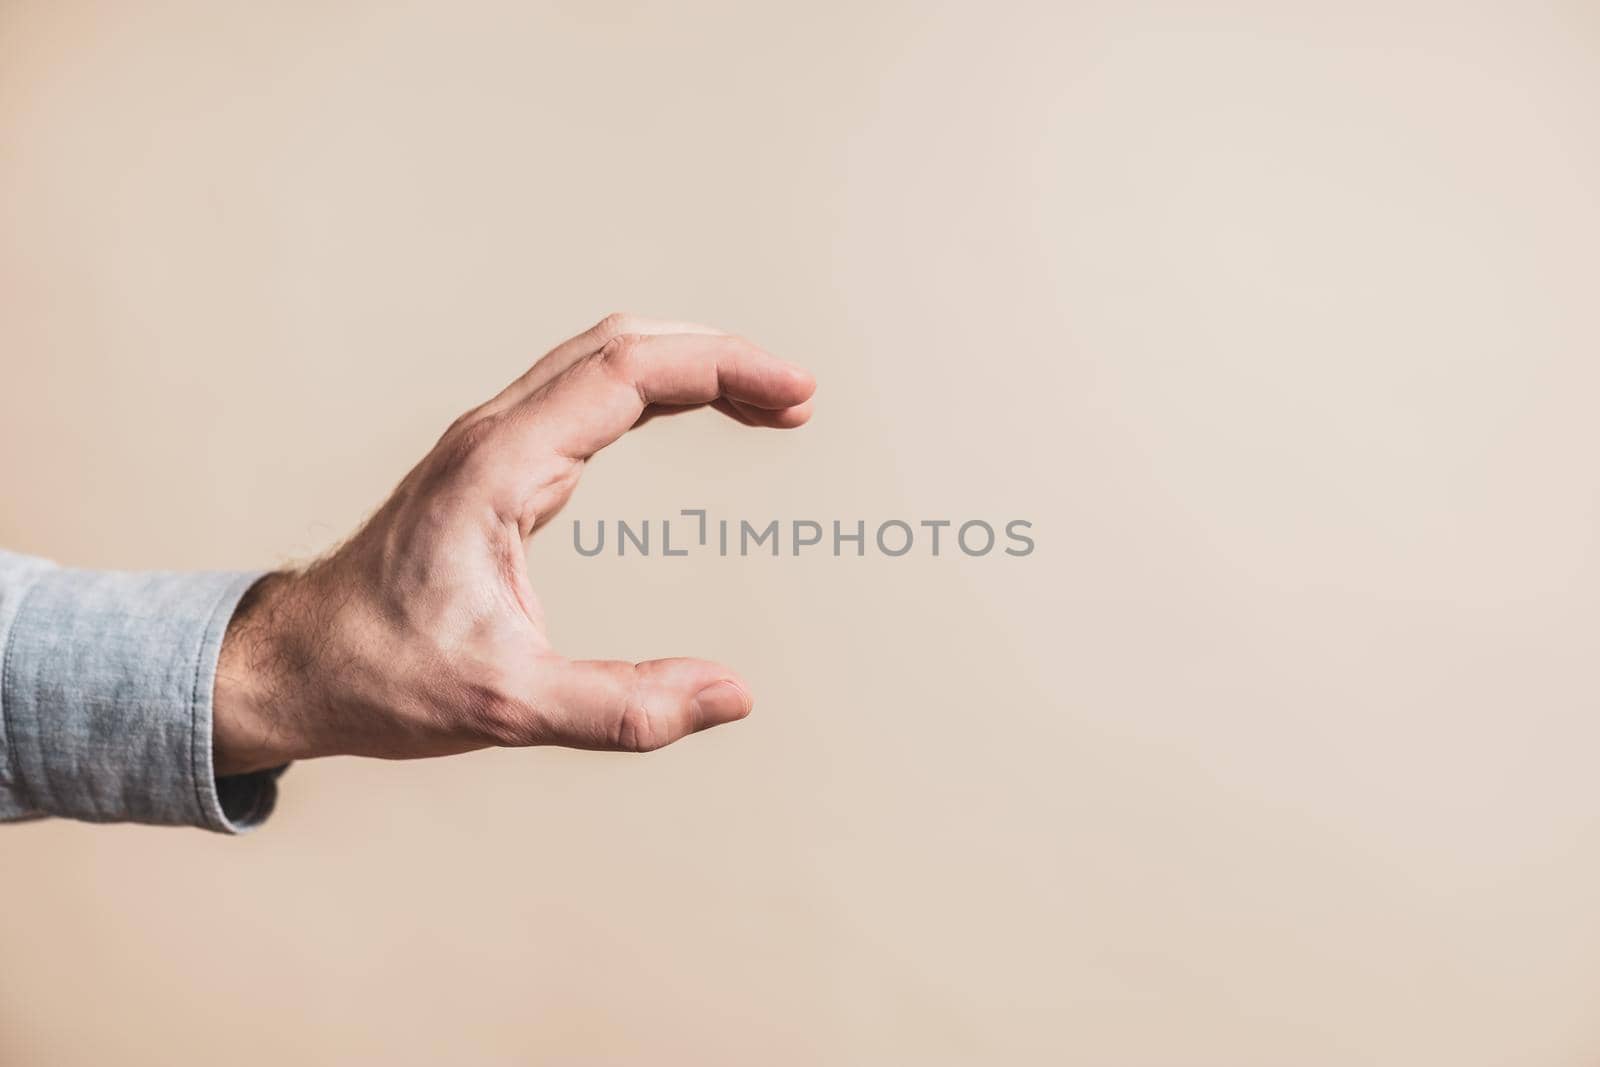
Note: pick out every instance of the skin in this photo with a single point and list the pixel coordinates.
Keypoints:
(421, 635)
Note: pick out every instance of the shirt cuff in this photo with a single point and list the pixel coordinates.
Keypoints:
(105, 694)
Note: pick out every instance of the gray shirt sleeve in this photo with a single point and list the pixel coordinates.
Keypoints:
(105, 697)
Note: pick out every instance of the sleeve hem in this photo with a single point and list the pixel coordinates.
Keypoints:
(240, 803)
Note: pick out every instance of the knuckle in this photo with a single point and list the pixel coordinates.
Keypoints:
(466, 449)
(473, 438)
(465, 419)
(616, 324)
(620, 355)
(466, 429)
(636, 729)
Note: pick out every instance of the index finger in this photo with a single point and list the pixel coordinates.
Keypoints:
(598, 399)
(587, 343)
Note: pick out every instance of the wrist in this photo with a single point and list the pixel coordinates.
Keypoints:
(258, 703)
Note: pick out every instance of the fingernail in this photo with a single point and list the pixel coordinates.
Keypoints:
(722, 701)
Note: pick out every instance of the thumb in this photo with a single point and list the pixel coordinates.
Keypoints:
(635, 707)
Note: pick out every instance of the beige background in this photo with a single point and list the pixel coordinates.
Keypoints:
(1279, 321)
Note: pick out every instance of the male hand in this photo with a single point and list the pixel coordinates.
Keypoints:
(421, 636)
